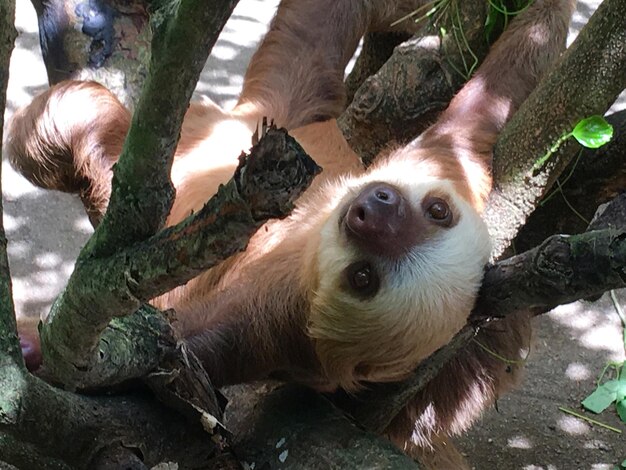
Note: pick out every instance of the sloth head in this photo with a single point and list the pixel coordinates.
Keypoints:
(399, 261)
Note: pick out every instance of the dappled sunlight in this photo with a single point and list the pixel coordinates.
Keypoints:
(15, 185)
(83, 225)
(253, 28)
(12, 223)
(24, 73)
(48, 261)
(25, 18)
(222, 76)
(583, 12)
(224, 52)
(596, 444)
(597, 466)
(17, 249)
(27, 74)
(576, 371)
(519, 442)
(595, 325)
(249, 22)
(572, 425)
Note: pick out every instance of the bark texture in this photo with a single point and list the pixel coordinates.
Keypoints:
(108, 42)
(292, 427)
(102, 288)
(416, 83)
(142, 192)
(376, 50)
(42, 427)
(587, 80)
(10, 352)
(593, 177)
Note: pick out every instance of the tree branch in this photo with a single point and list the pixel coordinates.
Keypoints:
(43, 427)
(594, 176)
(142, 193)
(10, 352)
(265, 185)
(293, 427)
(561, 270)
(416, 83)
(377, 49)
(535, 128)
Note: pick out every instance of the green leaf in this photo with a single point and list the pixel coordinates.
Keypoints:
(602, 397)
(620, 389)
(593, 132)
(623, 464)
(621, 411)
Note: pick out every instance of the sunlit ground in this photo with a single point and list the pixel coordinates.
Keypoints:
(46, 230)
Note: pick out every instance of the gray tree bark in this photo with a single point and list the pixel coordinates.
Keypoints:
(584, 83)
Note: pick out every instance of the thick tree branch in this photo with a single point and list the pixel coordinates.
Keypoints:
(142, 193)
(292, 427)
(587, 81)
(416, 83)
(561, 270)
(593, 177)
(43, 427)
(376, 50)
(10, 352)
(265, 185)
(104, 41)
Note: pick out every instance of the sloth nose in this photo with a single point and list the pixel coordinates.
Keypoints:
(378, 221)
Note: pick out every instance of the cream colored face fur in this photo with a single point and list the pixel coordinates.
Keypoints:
(424, 297)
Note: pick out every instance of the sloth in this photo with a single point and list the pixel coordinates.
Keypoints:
(376, 268)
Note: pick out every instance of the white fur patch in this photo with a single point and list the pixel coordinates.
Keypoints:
(424, 298)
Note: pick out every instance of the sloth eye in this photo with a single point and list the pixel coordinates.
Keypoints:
(439, 211)
(362, 279)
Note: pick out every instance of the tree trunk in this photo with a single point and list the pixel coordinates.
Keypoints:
(108, 42)
(584, 83)
(593, 177)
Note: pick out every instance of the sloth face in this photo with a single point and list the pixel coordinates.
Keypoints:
(399, 266)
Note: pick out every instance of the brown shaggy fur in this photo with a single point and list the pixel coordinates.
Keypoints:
(270, 311)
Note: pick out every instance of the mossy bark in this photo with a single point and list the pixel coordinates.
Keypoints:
(102, 288)
(593, 177)
(10, 352)
(42, 427)
(587, 80)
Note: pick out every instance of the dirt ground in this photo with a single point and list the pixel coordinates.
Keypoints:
(527, 431)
